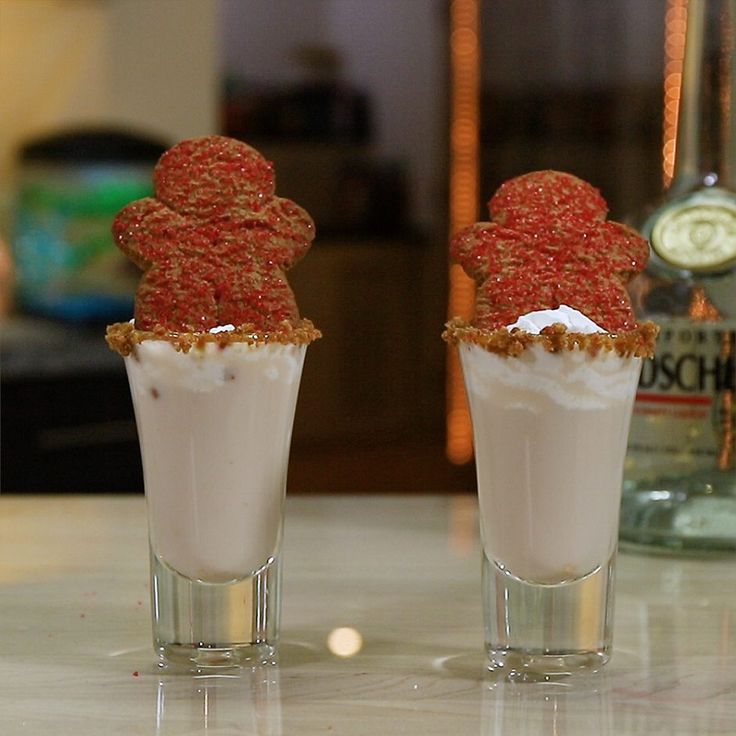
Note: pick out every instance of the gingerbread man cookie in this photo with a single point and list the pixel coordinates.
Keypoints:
(549, 244)
(215, 242)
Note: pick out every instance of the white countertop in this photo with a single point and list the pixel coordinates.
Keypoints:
(402, 572)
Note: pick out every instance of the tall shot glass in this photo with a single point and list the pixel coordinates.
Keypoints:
(214, 426)
(550, 432)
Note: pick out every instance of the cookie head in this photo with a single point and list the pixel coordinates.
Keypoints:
(550, 197)
(214, 175)
(548, 243)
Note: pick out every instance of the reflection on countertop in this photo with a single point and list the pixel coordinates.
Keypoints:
(381, 633)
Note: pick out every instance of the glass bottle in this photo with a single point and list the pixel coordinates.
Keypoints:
(680, 478)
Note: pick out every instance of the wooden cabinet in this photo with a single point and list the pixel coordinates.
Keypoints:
(376, 374)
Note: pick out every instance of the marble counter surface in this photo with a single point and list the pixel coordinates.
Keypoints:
(381, 633)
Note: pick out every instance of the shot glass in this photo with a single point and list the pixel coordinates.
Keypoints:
(214, 426)
(550, 432)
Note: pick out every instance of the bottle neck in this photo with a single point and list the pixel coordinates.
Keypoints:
(706, 142)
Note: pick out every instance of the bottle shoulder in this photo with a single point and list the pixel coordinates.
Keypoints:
(663, 293)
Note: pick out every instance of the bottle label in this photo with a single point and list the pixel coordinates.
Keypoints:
(683, 419)
(697, 237)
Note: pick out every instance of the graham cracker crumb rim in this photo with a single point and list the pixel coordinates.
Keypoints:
(638, 342)
(123, 337)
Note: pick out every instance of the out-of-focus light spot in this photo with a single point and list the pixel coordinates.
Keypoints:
(674, 49)
(344, 641)
(463, 209)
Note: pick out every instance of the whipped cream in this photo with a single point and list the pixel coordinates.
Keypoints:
(208, 368)
(538, 380)
(575, 321)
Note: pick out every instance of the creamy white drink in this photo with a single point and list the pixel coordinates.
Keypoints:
(550, 432)
(215, 428)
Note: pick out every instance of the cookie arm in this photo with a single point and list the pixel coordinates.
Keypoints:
(467, 247)
(141, 230)
(487, 249)
(628, 251)
(292, 232)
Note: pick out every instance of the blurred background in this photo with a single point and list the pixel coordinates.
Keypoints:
(353, 101)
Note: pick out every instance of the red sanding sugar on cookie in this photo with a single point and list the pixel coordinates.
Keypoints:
(549, 244)
(215, 241)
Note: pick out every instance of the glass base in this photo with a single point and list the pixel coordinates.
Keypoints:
(534, 629)
(533, 667)
(696, 514)
(201, 625)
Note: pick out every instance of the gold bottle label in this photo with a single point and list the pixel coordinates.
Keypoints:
(697, 237)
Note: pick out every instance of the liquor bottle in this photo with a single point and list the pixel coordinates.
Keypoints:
(680, 479)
